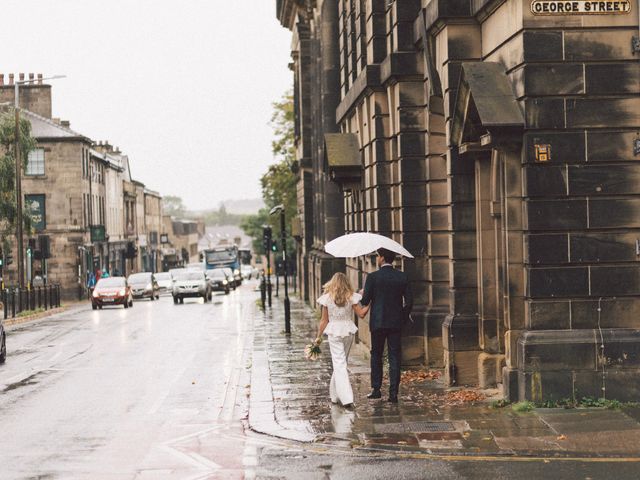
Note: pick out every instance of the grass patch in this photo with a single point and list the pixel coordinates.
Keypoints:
(521, 407)
(500, 403)
(26, 313)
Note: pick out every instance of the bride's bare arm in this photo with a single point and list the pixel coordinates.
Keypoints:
(360, 310)
(324, 321)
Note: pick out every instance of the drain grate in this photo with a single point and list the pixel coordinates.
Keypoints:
(415, 427)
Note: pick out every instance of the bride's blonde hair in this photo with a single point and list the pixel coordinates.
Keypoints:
(339, 289)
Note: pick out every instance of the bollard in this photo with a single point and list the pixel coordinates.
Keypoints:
(51, 304)
(39, 297)
(5, 303)
(263, 293)
(46, 302)
(13, 304)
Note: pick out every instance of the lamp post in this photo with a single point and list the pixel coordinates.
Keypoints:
(283, 235)
(19, 219)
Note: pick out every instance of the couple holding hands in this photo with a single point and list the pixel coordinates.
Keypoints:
(388, 296)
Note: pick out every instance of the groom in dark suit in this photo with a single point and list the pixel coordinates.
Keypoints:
(392, 299)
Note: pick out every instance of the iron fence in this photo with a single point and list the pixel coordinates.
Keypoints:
(18, 300)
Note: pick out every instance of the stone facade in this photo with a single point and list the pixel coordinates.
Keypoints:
(498, 146)
(181, 247)
(151, 254)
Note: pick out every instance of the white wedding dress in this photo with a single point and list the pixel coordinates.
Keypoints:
(340, 331)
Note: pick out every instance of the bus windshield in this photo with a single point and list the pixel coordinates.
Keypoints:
(220, 256)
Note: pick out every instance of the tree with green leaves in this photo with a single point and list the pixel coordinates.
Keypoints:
(8, 204)
(173, 205)
(279, 181)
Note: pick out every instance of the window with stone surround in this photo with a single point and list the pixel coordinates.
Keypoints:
(35, 162)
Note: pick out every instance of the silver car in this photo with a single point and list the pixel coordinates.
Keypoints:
(165, 282)
(191, 284)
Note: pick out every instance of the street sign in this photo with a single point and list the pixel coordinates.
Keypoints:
(580, 7)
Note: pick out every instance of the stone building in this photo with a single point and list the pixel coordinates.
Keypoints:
(114, 162)
(151, 254)
(57, 189)
(497, 140)
(181, 241)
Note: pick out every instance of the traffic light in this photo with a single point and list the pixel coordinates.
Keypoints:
(266, 237)
(274, 247)
(8, 259)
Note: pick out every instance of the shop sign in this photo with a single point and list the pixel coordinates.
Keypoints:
(580, 7)
(97, 233)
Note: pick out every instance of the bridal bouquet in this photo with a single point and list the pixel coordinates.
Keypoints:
(312, 351)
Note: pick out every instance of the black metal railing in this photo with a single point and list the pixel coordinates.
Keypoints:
(19, 300)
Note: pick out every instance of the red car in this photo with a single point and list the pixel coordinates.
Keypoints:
(111, 291)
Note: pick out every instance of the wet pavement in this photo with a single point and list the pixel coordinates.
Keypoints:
(429, 419)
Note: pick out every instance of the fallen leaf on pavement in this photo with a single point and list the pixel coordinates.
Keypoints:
(561, 437)
(463, 396)
(412, 376)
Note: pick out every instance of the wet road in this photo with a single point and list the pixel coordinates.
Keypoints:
(159, 392)
(154, 392)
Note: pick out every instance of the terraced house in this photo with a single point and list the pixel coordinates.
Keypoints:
(498, 141)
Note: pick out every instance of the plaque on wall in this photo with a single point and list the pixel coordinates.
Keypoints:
(580, 7)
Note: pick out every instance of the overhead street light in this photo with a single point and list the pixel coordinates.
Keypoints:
(16, 105)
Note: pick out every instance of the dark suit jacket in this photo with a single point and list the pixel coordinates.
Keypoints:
(391, 295)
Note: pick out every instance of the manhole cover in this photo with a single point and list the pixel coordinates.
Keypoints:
(415, 427)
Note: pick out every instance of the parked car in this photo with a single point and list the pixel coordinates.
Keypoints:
(3, 343)
(218, 280)
(191, 284)
(246, 271)
(231, 277)
(165, 282)
(111, 291)
(143, 285)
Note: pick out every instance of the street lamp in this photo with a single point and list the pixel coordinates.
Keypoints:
(16, 105)
(283, 235)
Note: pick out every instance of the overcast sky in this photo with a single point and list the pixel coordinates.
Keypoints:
(183, 87)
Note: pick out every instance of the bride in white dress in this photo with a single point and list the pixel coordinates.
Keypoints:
(339, 302)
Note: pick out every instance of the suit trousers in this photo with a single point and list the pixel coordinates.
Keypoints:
(340, 387)
(378, 338)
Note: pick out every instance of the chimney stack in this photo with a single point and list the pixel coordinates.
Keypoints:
(1, 79)
(22, 77)
(31, 76)
(39, 79)
(11, 76)
(65, 123)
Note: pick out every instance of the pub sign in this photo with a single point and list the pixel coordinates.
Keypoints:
(36, 206)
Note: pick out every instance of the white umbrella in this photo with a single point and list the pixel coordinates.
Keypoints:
(362, 243)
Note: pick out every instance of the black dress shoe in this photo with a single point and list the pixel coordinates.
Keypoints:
(393, 399)
(374, 394)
